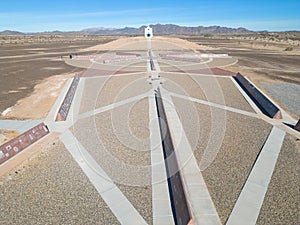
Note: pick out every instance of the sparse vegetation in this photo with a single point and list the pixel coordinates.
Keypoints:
(290, 48)
(208, 35)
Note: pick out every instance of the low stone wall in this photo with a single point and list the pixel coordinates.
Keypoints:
(66, 104)
(262, 102)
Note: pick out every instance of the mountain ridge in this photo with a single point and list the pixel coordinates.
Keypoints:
(159, 29)
(172, 29)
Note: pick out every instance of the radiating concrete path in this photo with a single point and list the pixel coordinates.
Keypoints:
(112, 106)
(249, 203)
(215, 105)
(161, 205)
(111, 194)
(198, 198)
(197, 194)
(19, 125)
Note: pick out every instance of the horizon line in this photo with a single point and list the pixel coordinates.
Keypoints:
(139, 26)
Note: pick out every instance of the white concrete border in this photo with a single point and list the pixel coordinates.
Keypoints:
(197, 195)
(111, 194)
(161, 205)
(112, 106)
(114, 75)
(19, 125)
(196, 74)
(249, 203)
(239, 111)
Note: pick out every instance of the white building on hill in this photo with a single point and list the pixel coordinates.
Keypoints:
(148, 32)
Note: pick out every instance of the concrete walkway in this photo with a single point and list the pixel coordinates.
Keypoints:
(246, 113)
(249, 203)
(111, 194)
(197, 75)
(19, 125)
(161, 205)
(112, 106)
(198, 197)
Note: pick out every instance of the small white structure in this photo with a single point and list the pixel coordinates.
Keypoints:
(148, 32)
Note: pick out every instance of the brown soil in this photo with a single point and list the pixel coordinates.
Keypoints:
(40, 102)
(266, 62)
(27, 62)
(6, 135)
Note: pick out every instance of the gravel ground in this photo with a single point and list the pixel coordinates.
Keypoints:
(196, 129)
(102, 91)
(99, 73)
(200, 87)
(162, 45)
(182, 84)
(119, 141)
(141, 199)
(89, 96)
(78, 63)
(244, 137)
(141, 65)
(226, 176)
(119, 88)
(287, 94)
(224, 91)
(124, 131)
(98, 65)
(51, 189)
(212, 71)
(174, 66)
(139, 127)
(171, 67)
(281, 203)
(175, 62)
(126, 66)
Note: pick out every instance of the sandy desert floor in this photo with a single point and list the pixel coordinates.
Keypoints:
(53, 180)
(25, 65)
(30, 69)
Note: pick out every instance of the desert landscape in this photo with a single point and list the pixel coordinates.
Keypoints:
(104, 164)
(269, 60)
(28, 60)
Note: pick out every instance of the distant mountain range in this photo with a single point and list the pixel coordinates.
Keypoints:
(10, 32)
(169, 29)
(157, 29)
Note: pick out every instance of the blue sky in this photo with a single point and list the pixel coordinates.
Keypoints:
(32, 16)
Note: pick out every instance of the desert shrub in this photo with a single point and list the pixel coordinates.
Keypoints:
(290, 48)
(208, 35)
